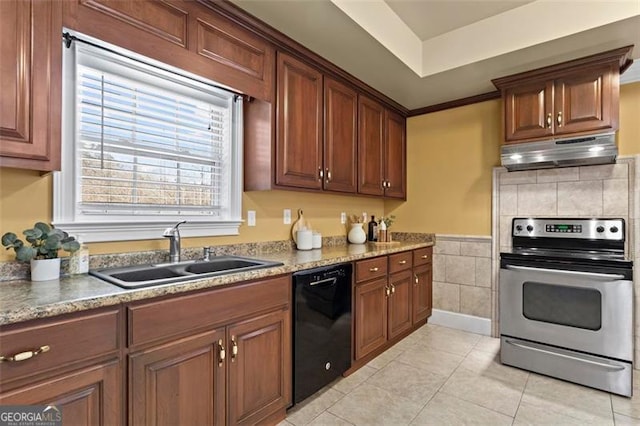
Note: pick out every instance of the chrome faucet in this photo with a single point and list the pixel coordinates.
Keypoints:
(174, 242)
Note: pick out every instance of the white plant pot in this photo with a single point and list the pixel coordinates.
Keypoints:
(45, 269)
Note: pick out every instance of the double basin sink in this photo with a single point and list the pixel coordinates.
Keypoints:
(166, 273)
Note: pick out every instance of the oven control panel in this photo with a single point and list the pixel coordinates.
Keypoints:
(593, 229)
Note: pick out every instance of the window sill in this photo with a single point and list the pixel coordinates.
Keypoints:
(117, 231)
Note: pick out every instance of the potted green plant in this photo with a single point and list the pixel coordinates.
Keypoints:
(45, 242)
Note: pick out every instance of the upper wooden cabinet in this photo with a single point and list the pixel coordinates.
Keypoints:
(185, 34)
(299, 125)
(340, 136)
(576, 97)
(30, 104)
(381, 150)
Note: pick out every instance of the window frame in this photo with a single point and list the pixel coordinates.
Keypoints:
(66, 183)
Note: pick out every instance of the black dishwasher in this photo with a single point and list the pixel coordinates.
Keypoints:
(321, 327)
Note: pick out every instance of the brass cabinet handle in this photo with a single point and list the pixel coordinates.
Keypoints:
(416, 278)
(549, 122)
(222, 354)
(387, 290)
(559, 119)
(384, 184)
(424, 256)
(234, 348)
(328, 175)
(23, 356)
(402, 262)
(375, 269)
(320, 173)
(388, 184)
(393, 289)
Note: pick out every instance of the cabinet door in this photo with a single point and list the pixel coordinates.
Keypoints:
(299, 126)
(90, 396)
(370, 316)
(422, 287)
(31, 99)
(400, 312)
(396, 159)
(370, 147)
(340, 136)
(180, 383)
(528, 111)
(583, 100)
(259, 367)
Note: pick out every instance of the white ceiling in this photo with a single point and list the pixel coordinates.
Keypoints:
(425, 52)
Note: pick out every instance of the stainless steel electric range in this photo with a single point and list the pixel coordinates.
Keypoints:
(566, 301)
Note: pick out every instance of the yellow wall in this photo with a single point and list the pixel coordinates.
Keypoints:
(26, 198)
(451, 154)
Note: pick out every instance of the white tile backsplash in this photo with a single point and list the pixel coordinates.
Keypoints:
(615, 197)
(537, 199)
(582, 198)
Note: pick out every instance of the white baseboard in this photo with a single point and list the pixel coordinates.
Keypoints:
(461, 321)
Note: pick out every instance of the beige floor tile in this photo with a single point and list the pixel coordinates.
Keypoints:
(347, 384)
(622, 420)
(488, 364)
(284, 423)
(486, 391)
(328, 419)
(450, 340)
(310, 408)
(628, 406)
(488, 344)
(552, 395)
(433, 360)
(407, 381)
(385, 357)
(445, 409)
(371, 405)
(533, 415)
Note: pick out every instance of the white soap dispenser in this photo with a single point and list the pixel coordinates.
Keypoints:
(79, 259)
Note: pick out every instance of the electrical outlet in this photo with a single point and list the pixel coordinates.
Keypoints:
(286, 217)
(251, 218)
(343, 218)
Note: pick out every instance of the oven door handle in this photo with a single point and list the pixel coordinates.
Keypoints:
(573, 358)
(592, 275)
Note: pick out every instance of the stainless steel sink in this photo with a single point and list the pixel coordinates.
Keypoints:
(166, 273)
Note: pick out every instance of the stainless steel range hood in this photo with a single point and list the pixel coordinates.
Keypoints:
(567, 152)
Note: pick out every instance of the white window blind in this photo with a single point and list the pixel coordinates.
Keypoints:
(146, 144)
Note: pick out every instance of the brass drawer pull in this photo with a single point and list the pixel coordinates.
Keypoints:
(559, 119)
(402, 262)
(416, 277)
(393, 289)
(549, 120)
(376, 269)
(387, 290)
(23, 356)
(222, 354)
(234, 348)
(424, 256)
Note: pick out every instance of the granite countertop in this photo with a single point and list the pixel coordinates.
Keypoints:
(25, 300)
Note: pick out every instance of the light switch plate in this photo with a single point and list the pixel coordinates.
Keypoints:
(251, 218)
(343, 218)
(286, 217)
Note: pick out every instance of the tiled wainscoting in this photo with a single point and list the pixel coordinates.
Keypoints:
(590, 191)
(462, 281)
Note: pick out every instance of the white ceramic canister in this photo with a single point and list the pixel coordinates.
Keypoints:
(317, 240)
(304, 240)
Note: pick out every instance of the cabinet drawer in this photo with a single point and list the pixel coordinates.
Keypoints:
(400, 261)
(162, 319)
(422, 256)
(70, 340)
(371, 268)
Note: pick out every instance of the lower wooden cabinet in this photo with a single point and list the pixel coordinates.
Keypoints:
(90, 396)
(370, 316)
(399, 300)
(236, 370)
(259, 367)
(388, 307)
(422, 293)
(182, 382)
